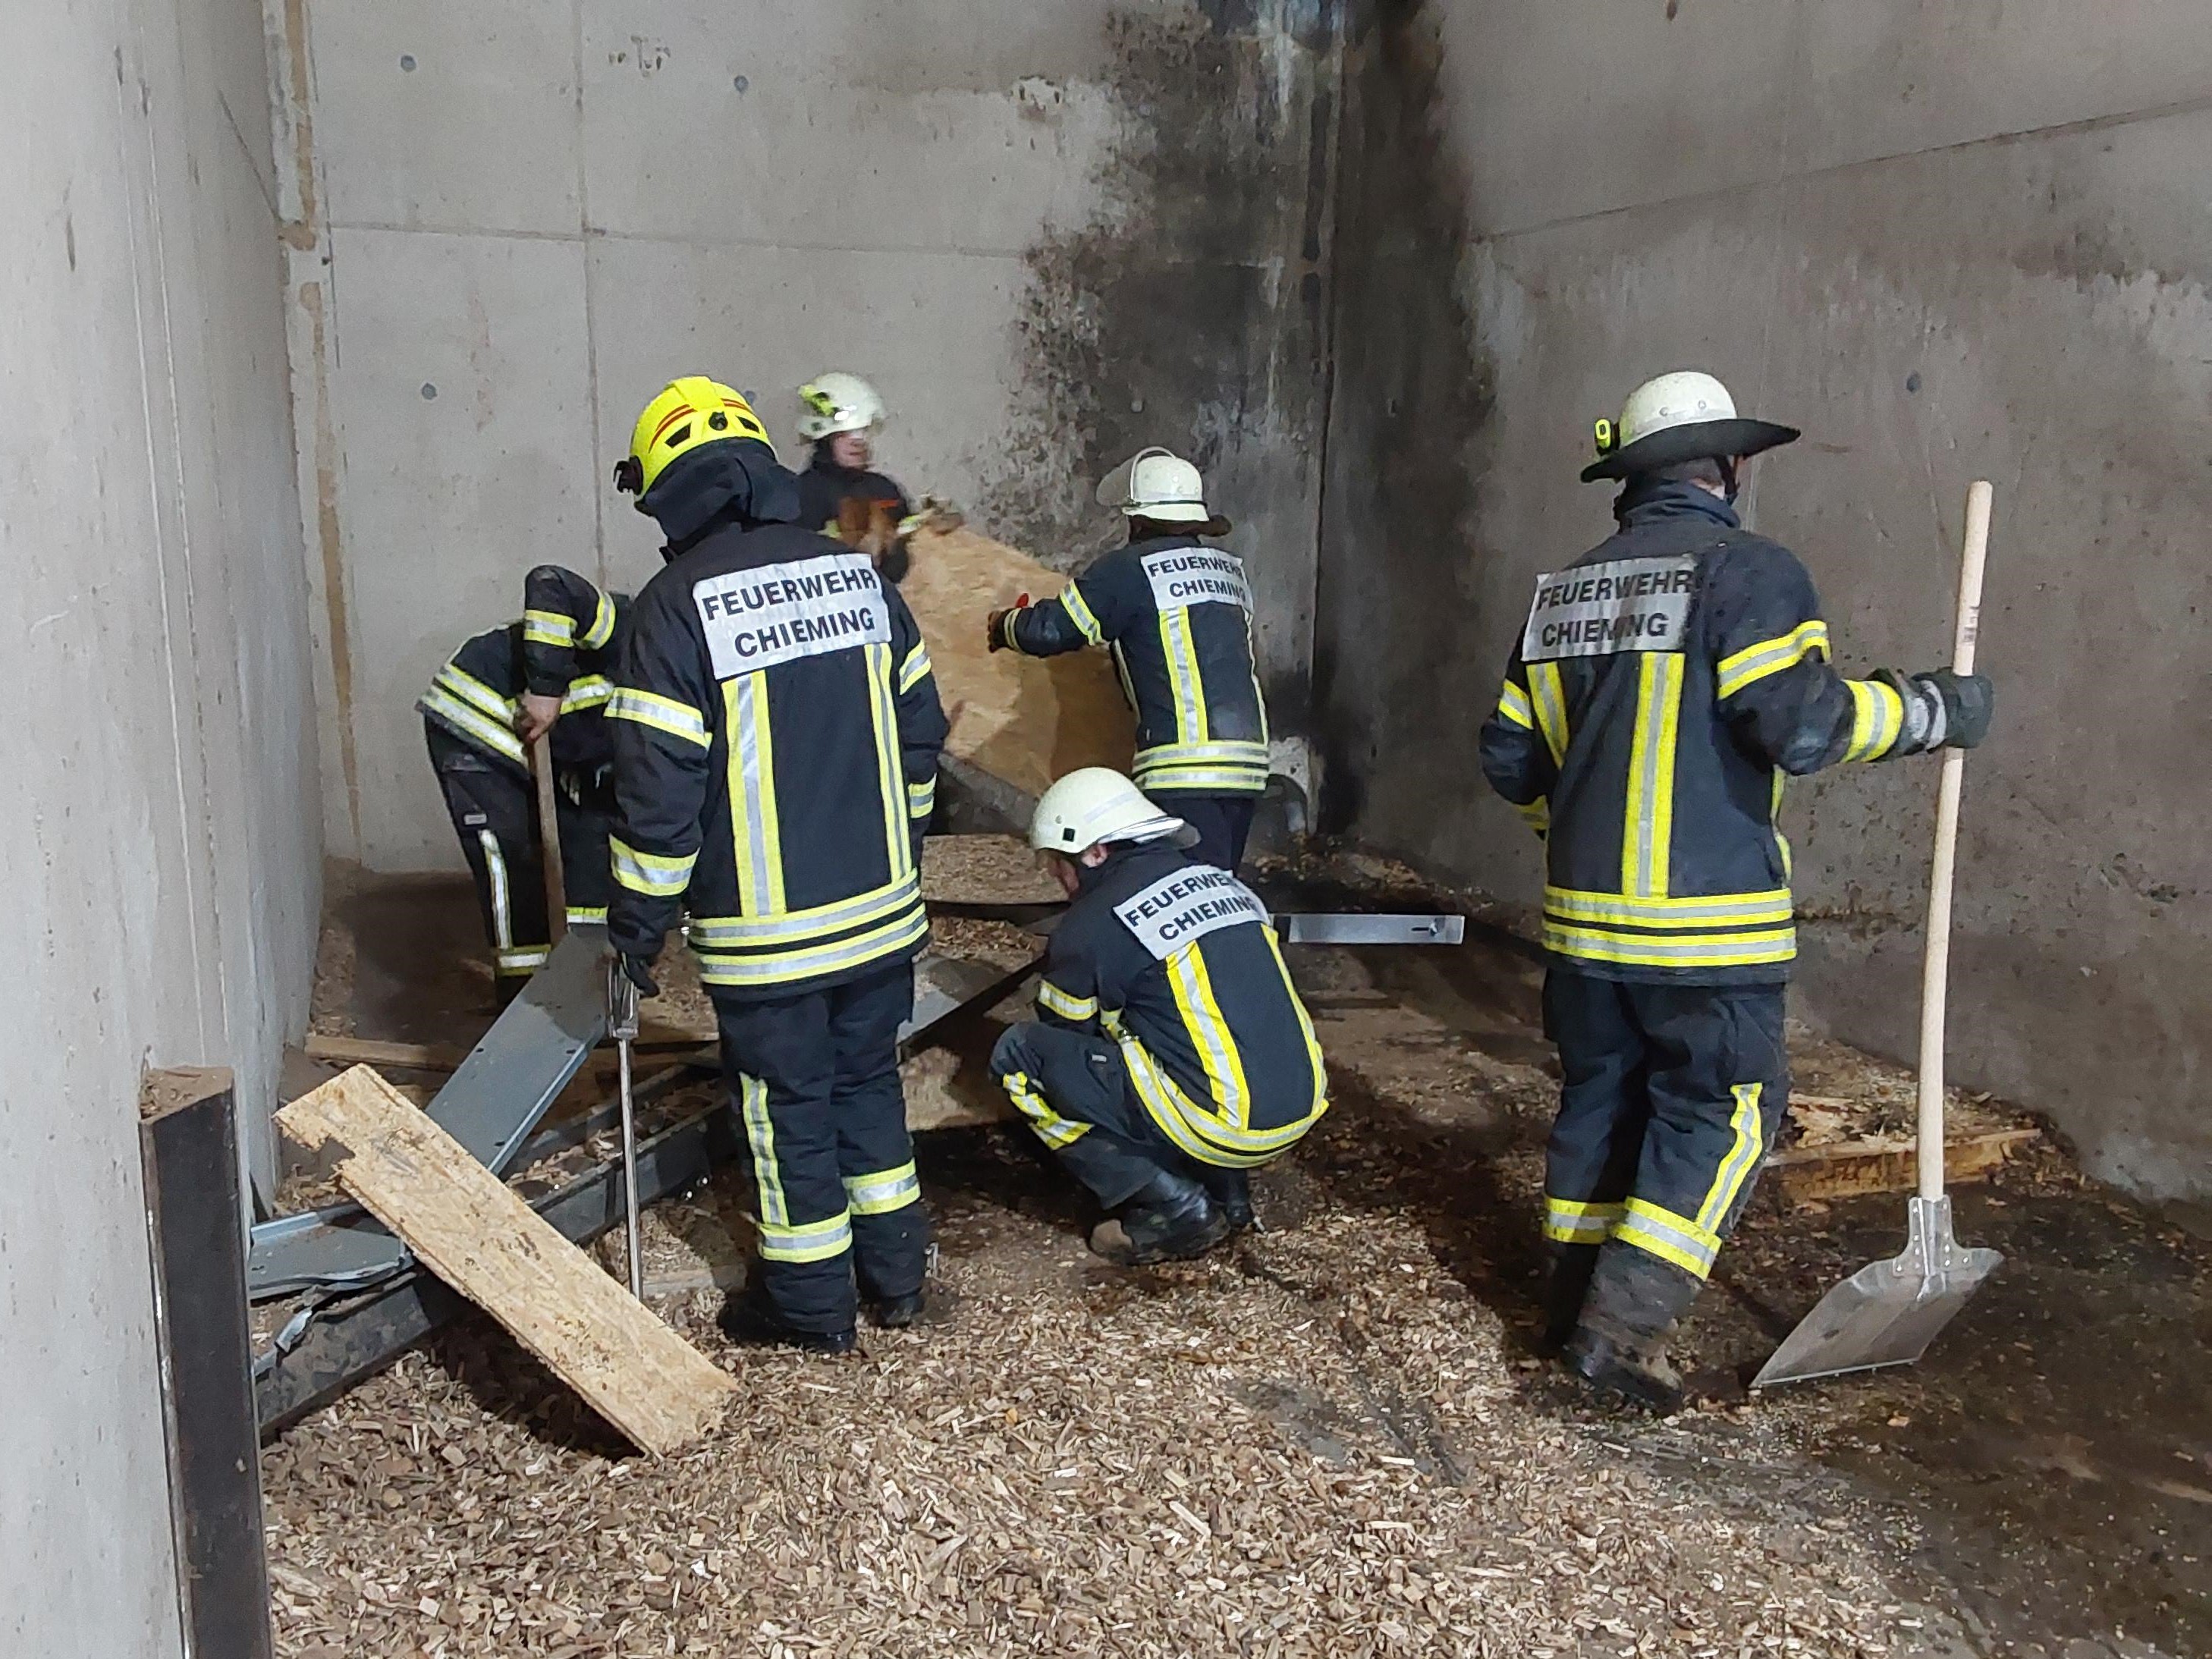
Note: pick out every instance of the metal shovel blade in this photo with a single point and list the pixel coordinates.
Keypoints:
(1887, 1312)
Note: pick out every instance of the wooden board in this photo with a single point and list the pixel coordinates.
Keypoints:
(1025, 720)
(475, 1234)
(1887, 1164)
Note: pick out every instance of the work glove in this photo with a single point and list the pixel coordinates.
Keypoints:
(1943, 709)
(999, 626)
(638, 970)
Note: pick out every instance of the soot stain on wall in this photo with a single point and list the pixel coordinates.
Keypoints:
(1394, 686)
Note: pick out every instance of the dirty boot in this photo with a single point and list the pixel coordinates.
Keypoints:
(1564, 1292)
(1636, 1372)
(1170, 1219)
(896, 1313)
(750, 1319)
(1232, 1192)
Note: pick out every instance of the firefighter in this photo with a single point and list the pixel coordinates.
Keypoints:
(1177, 617)
(1171, 1055)
(776, 728)
(842, 414)
(1663, 687)
(499, 693)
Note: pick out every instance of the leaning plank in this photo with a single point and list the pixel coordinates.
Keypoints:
(1851, 1168)
(482, 1239)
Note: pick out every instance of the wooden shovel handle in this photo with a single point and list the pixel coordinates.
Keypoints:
(549, 842)
(1936, 969)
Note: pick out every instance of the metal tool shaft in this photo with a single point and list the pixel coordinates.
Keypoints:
(629, 1172)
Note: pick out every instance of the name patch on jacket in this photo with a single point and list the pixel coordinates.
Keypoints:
(1187, 906)
(1594, 610)
(1196, 575)
(778, 613)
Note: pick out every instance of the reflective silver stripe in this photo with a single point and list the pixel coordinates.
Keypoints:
(754, 783)
(883, 1192)
(916, 669)
(812, 1241)
(1049, 995)
(760, 1136)
(548, 628)
(650, 874)
(502, 918)
(1080, 613)
(485, 733)
(587, 917)
(588, 692)
(736, 933)
(1671, 1237)
(899, 841)
(603, 624)
(679, 719)
(1239, 750)
(774, 970)
(471, 690)
(1051, 1128)
(525, 959)
(1718, 951)
(1771, 908)
(921, 799)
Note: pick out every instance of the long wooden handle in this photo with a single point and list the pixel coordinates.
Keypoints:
(1936, 970)
(548, 840)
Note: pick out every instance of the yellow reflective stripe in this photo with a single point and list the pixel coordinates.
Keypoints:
(1755, 662)
(1669, 1236)
(1877, 720)
(1537, 814)
(1774, 817)
(586, 916)
(754, 832)
(650, 874)
(760, 1135)
(1079, 613)
(1647, 830)
(810, 1240)
(1768, 908)
(1210, 1035)
(1217, 748)
(471, 690)
(548, 628)
(1201, 780)
(1305, 1028)
(602, 624)
(1514, 708)
(490, 734)
(1574, 1221)
(885, 1191)
(1196, 1131)
(784, 966)
(1549, 696)
(587, 692)
(679, 719)
(1050, 996)
(890, 774)
(915, 669)
(922, 798)
(1743, 1158)
(524, 959)
(1693, 951)
(791, 926)
(502, 915)
(1184, 684)
(1051, 1128)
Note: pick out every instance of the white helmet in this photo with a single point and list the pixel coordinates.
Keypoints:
(1685, 416)
(1097, 804)
(838, 402)
(1154, 484)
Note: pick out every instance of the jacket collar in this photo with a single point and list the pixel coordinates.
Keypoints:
(1643, 504)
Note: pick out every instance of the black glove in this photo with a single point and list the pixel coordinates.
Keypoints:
(638, 970)
(1943, 709)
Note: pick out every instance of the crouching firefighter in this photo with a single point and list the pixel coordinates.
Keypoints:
(776, 729)
(501, 692)
(1177, 617)
(1663, 687)
(1172, 1055)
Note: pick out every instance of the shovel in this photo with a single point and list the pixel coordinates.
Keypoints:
(1888, 1312)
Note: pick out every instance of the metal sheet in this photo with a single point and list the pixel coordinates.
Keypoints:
(1371, 929)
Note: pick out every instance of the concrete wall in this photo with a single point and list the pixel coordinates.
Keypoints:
(1048, 232)
(158, 833)
(1950, 241)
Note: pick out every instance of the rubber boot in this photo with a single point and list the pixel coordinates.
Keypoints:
(1170, 1219)
(750, 1319)
(1569, 1283)
(1637, 1371)
(1620, 1345)
(896, 1313)
(1232, 1192)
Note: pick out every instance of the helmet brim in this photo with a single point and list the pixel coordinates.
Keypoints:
(1699, 441)
(1168, 512)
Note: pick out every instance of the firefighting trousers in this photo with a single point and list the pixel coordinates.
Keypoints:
(494, 814)
(1670, 1099)
(1224, 823)
(814, 1081)
(1074, 1092)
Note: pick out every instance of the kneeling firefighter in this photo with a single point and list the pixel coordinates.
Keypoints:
(1172, 1055)
(499, 693)
(776, 733)
(1177, 617)
(1662, 687)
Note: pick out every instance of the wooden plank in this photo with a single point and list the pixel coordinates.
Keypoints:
(478, 1235)
(1024, 719)
(1851, 1168)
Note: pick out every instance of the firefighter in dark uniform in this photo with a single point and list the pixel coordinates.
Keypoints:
(1663, 687)
(499, 693)
(1177, 617)
(776, 729)
(841, 414)
(1171, 1055)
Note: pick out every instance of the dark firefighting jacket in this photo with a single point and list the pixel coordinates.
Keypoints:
(1177, 617)
(1175, 960)
(562, 647)
(824, 487)
(1662, 688)
(776, 732)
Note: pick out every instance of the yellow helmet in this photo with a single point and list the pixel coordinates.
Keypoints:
(686, 415)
